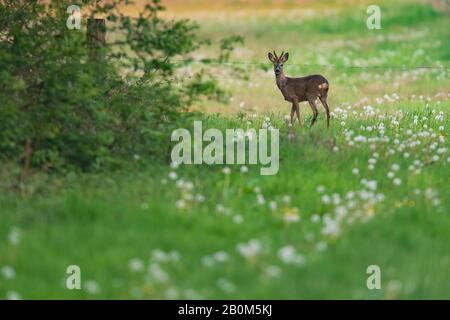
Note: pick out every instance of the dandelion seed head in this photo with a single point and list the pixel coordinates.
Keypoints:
(91, 286)
(8, 272)
(135, 265)
(13, 295)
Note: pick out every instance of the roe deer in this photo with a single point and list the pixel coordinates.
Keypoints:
(296, 90)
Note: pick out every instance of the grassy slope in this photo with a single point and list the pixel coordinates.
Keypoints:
(101, 222)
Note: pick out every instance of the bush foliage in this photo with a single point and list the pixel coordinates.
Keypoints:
(61, 107)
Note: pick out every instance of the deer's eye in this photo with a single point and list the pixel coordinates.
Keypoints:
(281, 65)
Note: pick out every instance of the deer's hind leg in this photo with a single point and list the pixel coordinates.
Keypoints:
(312, 103)
(327, 109)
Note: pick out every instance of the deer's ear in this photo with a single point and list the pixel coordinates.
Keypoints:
(271, 57)
(285, 57)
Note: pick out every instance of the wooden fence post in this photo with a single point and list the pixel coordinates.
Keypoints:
(96, 38)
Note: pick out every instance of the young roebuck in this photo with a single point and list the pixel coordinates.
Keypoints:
(296, 90)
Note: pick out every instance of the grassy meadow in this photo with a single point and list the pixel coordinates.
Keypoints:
(371, 190)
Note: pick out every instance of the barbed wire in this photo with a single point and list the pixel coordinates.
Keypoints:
(402, 67)
(180, 78)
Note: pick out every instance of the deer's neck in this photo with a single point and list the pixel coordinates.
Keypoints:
(281, 80)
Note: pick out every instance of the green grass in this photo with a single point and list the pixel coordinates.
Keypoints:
(102, 221)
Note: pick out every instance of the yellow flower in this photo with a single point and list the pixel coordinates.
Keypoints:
(289, 211)
(370, 211)
(291, 215)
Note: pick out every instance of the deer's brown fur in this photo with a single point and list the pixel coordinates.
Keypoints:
(296, 90)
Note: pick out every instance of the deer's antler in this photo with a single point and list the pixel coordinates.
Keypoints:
(275, 54)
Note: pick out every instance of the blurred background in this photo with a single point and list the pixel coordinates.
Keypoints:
(326, 37)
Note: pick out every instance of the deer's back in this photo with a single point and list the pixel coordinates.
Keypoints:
(304, 87)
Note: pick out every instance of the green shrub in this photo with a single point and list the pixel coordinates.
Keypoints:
(63, 108)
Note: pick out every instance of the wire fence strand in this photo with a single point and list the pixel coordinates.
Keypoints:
(334, 66)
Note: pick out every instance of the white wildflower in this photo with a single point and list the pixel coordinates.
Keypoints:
(8, 272)
(286, 199)
(289, 255)
(273, 205)
(173, 175)
(136, 265)
(250, 249)
(157, 273)
(272, 271)
(260, 199)
(221, 256)
(237, 219)
(14, 236)
(92, 287)
(13, 295)
(320, 189)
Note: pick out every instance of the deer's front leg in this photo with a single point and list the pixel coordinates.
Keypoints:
(297, 110)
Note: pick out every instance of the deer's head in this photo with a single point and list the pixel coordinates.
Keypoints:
(278, 61)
